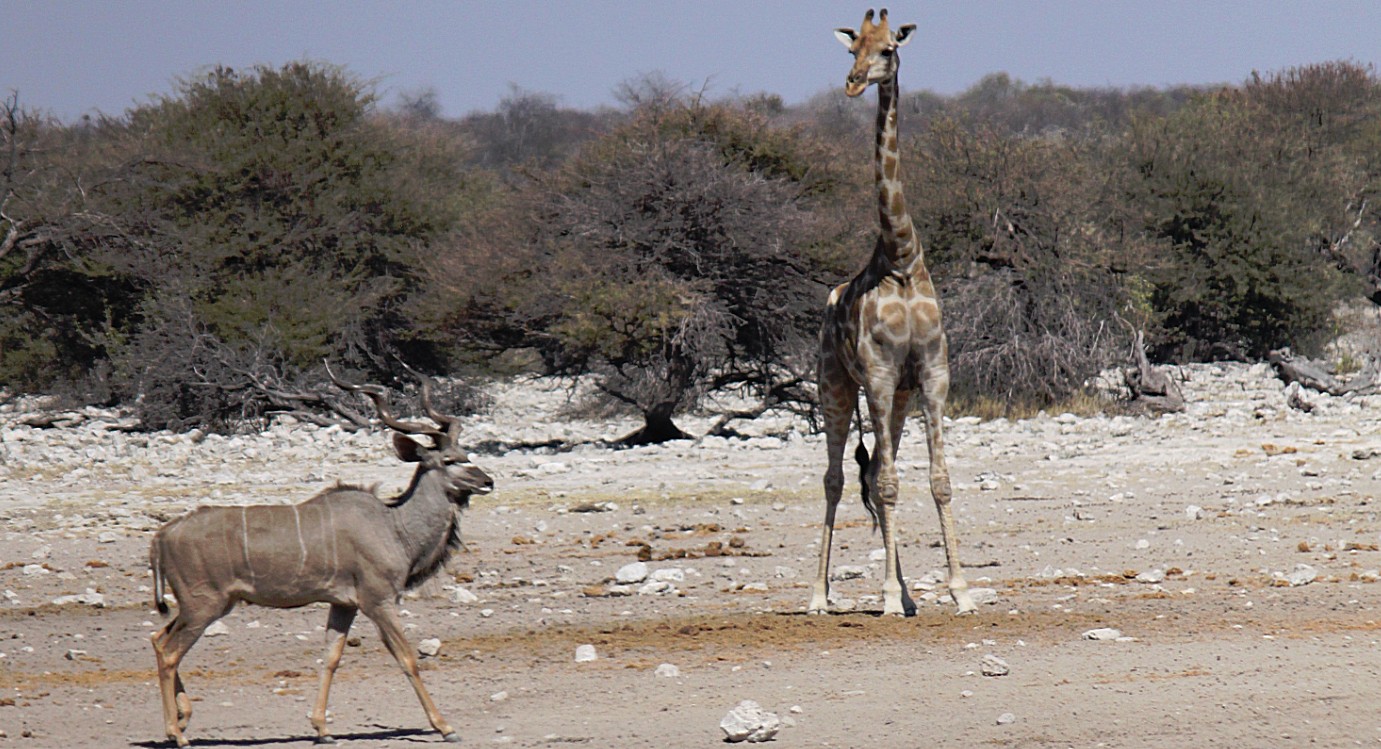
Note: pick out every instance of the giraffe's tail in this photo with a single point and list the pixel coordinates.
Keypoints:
(864, 462)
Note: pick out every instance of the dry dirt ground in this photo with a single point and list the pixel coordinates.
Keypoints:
(1186, 533)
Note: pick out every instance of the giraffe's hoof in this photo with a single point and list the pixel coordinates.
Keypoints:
(326, 739)
(451, 738)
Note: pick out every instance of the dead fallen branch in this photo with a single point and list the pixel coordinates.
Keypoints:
(1150, 388)
(1319, 376)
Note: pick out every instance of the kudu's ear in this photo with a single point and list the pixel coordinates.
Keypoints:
(407, 448)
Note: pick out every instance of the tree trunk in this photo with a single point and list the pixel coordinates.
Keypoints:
(657, 428)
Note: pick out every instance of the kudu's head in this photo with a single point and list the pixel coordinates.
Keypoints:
(463, 478)
(874, 47)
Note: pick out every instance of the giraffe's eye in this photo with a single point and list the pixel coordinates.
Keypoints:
(887, 52)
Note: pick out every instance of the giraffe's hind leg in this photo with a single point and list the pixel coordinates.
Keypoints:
(881, 392)
(934, 392)
(901, 405)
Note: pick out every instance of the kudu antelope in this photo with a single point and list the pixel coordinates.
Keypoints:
(345, 546)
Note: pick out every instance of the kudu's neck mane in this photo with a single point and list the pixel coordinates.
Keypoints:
(422, 515)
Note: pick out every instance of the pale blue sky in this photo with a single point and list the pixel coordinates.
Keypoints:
(70, 57)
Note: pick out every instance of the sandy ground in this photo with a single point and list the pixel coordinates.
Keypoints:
(1234, 547)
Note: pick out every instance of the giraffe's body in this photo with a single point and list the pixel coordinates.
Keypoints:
(882, 334)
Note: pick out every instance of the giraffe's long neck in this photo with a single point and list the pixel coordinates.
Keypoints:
(898, 234)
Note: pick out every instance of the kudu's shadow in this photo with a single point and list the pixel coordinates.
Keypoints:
(412, 735)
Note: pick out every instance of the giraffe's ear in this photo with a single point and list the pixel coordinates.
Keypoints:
(904, 33)
(846, 37)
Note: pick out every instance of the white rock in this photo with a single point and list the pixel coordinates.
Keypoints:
(553, 467)
(983, 595)
(877, 555)
(585, 654)
(1151, 576)
(216, 629)
(655, 587)
(994, 666)
(89, 598)
(429, 647)
(1302, 575)
(669, 574)
(498, 696)
(462, 595)
(1143, 544)
(668, 671)
(1006, 719)
(628, 574)
(749, 722)
(1194, 512)
(1102, 633)
(108, 537)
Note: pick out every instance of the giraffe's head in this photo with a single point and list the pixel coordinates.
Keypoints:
(874, 47)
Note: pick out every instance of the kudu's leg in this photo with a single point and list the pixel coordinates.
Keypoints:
(337, 629)
(391, 631)
(838, 404)
(170, 646)
(934, 391)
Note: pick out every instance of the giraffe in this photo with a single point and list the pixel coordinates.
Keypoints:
(882, 333)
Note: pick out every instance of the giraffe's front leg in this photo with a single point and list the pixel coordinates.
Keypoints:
(838, 399)
(935, 390)
(834, 489)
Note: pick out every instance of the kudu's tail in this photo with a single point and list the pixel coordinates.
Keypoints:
(156, 564)
(864, 462)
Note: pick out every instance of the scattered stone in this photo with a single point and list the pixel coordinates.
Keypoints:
(1151, 576)
(629, 574)
(463, 595)
(983, 595)
(1303, 574)
(1006, 719)
(1194, 512)
(498, 696)
(74, 654)
(749, 722)
(668, 671)
(1366, 453)
(216, 629)
(656, 587)
(849, 572)
(994, 666)
(669, 575)
(429, 647)
(1103, 633)
(877, 555)
(585, 654)
(108, 537)
(89, 598)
